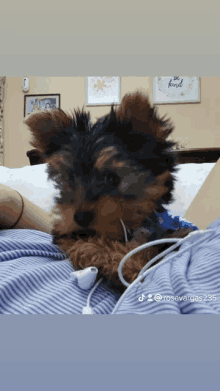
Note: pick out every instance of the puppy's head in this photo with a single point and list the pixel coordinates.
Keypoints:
(120, 168)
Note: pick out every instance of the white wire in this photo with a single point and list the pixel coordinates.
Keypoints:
(136, 250)
(143, 247)
(138, 279)
(143, 272)
(160, 255)
(93, 289)
(125, 231)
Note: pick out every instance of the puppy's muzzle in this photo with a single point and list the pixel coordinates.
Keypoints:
(84, 219)
(83, 234)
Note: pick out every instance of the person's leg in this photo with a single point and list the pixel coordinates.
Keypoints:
(32, 217)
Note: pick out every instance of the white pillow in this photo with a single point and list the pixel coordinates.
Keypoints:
(190, 178)
(31, 182)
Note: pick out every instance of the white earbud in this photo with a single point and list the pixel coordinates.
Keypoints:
(86, 277)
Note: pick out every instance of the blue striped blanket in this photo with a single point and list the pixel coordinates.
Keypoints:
(35, 279)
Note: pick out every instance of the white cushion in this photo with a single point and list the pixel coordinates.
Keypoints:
(31, 182)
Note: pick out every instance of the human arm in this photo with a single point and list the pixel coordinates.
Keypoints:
(32, 216)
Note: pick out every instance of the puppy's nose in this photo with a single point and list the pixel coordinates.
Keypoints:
(84, 219)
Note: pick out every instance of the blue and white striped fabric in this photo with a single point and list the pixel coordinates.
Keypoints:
(35, 279)
(187, 284)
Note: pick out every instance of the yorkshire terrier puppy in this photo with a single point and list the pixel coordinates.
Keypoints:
(115, 173)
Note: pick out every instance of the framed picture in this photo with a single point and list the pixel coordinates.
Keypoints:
(34, 103)
(176, 89)
(102, 90)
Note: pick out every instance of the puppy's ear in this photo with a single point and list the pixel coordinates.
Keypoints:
(51, 130)
(47, 128)
(135, 110)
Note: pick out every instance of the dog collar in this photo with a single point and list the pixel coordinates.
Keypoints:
(158, 224)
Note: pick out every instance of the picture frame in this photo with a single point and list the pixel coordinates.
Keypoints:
(103, 91)
(176, 89)
(40, 102)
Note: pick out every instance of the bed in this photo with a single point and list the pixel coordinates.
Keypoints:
(35, 275)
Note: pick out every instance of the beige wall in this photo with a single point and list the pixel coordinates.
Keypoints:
(197, 125)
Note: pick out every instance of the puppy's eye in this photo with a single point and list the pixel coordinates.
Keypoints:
(112, 179)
